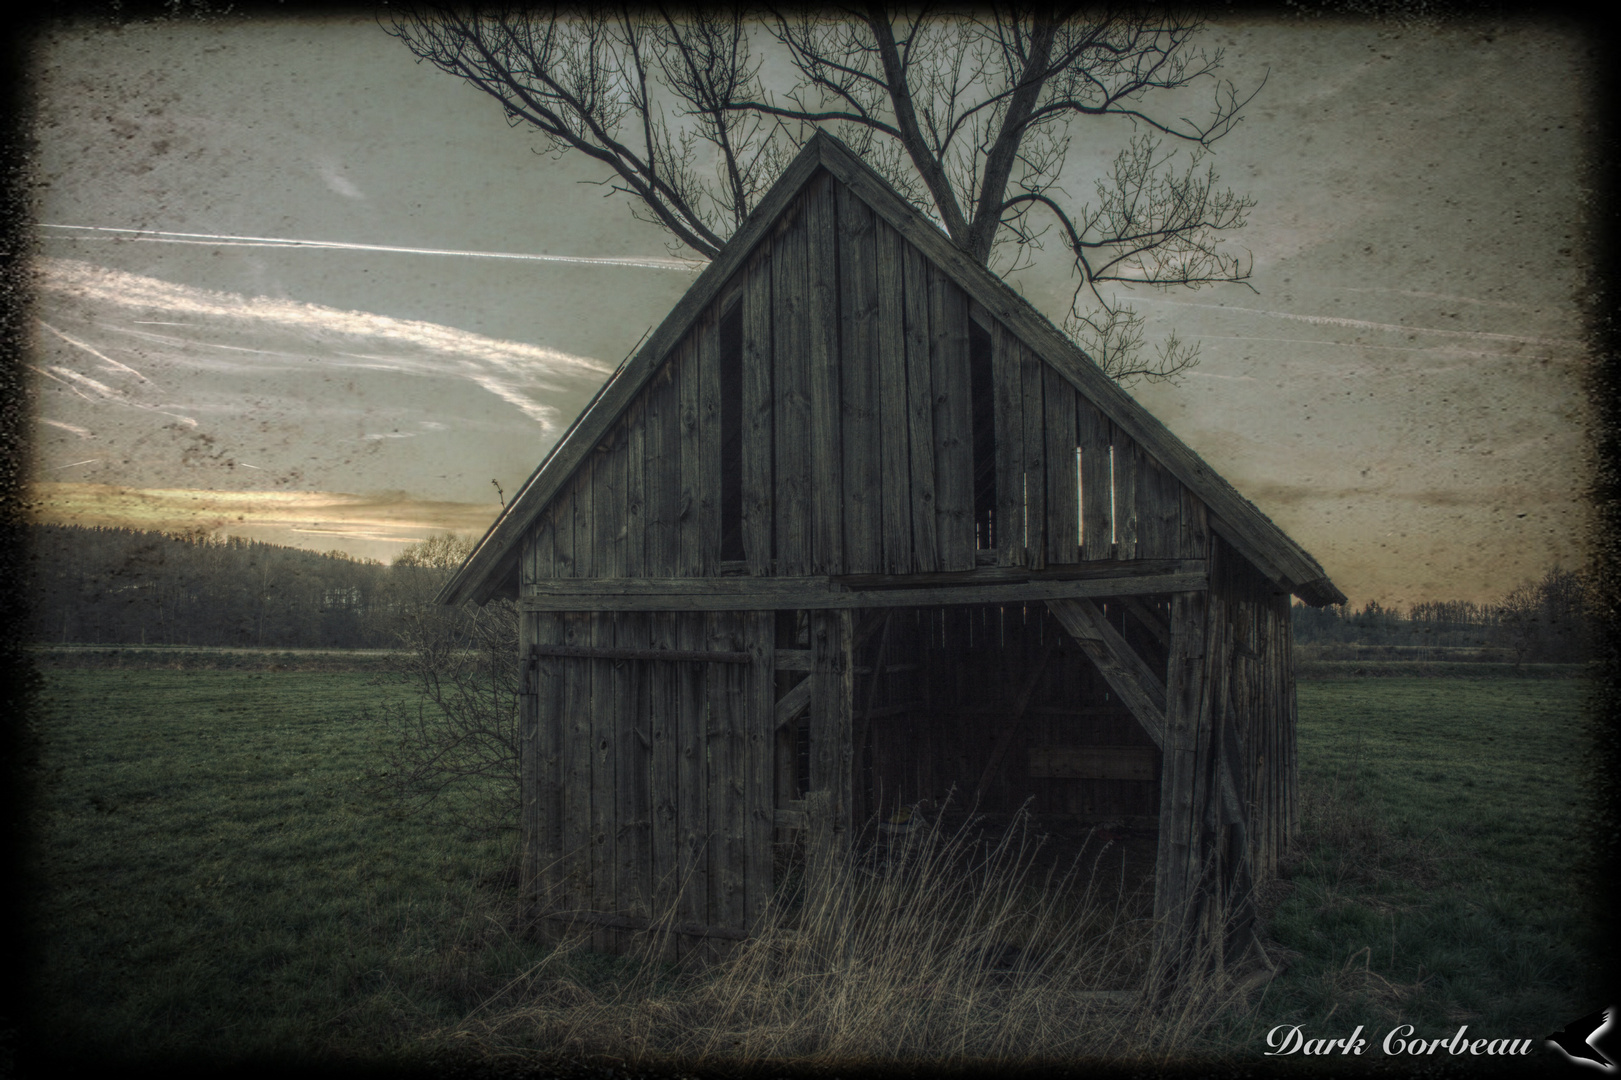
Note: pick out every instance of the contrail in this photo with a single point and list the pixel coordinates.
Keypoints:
(1361, 324)
(93, 352)
(158, 236)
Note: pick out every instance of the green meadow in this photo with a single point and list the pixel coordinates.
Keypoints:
(219, 879)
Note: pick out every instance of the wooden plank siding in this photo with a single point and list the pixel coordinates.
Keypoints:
(860, 472)
(824, 266)
(857, 449)
(892, 403)
(1011, 491)
(757, 409)
(652, 786)
(821, 357)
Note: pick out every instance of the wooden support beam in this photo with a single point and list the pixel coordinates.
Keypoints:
(1179, 862)
(1149, 619)
(826, 593)
(791, 704)
(1127, 674)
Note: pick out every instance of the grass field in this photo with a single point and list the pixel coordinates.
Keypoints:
(219, 881)
(1440, 881)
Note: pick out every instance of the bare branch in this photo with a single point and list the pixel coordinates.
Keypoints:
(969, 112)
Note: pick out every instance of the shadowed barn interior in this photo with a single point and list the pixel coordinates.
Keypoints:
(858, 527)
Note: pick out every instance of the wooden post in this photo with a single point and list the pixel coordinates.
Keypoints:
(833, 672)
(1179, 830)
(758, 747)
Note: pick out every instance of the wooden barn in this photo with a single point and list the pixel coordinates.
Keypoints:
(856, 527)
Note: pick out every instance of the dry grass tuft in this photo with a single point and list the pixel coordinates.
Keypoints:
(939, 947)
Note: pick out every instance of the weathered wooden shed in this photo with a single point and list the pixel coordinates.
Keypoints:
(858, 524)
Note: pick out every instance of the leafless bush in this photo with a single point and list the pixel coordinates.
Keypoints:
(453, 745)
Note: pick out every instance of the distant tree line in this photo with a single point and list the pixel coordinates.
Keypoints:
(1546, 621)
(128, 587)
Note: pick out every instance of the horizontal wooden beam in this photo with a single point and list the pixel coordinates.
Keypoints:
(1094, 762)
(1096, 570)
(781, 593)
(600, 652)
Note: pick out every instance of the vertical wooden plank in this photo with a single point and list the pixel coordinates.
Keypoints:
(953, 424)
(1159, 510)
(585, 551)
(894, 405)
(920, 407)
(1007, 379)
(822, 356)
(1092, 436)
(1288, 753)
(858, 385)
(689, 510)
(544, 781)
(562, 516)
(790, 300)
(633, 770)
(576, 767)
(727, 771)
(664, 721)
(757, 409)
(1195, 531)
(692, 804)
(758, 747)
(1127, 455)
(1063, 497)
(537, 550)
(609, 502)
(831, 731)
(604, 749)
(662, 468)
(635, 543)
(1033, 370)
(532, 781)
(704, 473)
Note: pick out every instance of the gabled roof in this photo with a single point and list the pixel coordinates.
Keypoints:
(1234, 518)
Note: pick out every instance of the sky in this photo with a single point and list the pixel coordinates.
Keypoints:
(291, 284)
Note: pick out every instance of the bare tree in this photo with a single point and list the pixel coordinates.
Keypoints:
(970, 113)
(454, 744)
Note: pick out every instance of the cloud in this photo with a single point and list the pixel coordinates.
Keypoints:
(1363, 324)
(99, 232)
(525, 376)
(112, 364)
(388, 517)
(82, 433)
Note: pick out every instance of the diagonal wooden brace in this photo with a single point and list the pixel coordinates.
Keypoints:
(1128, 675)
